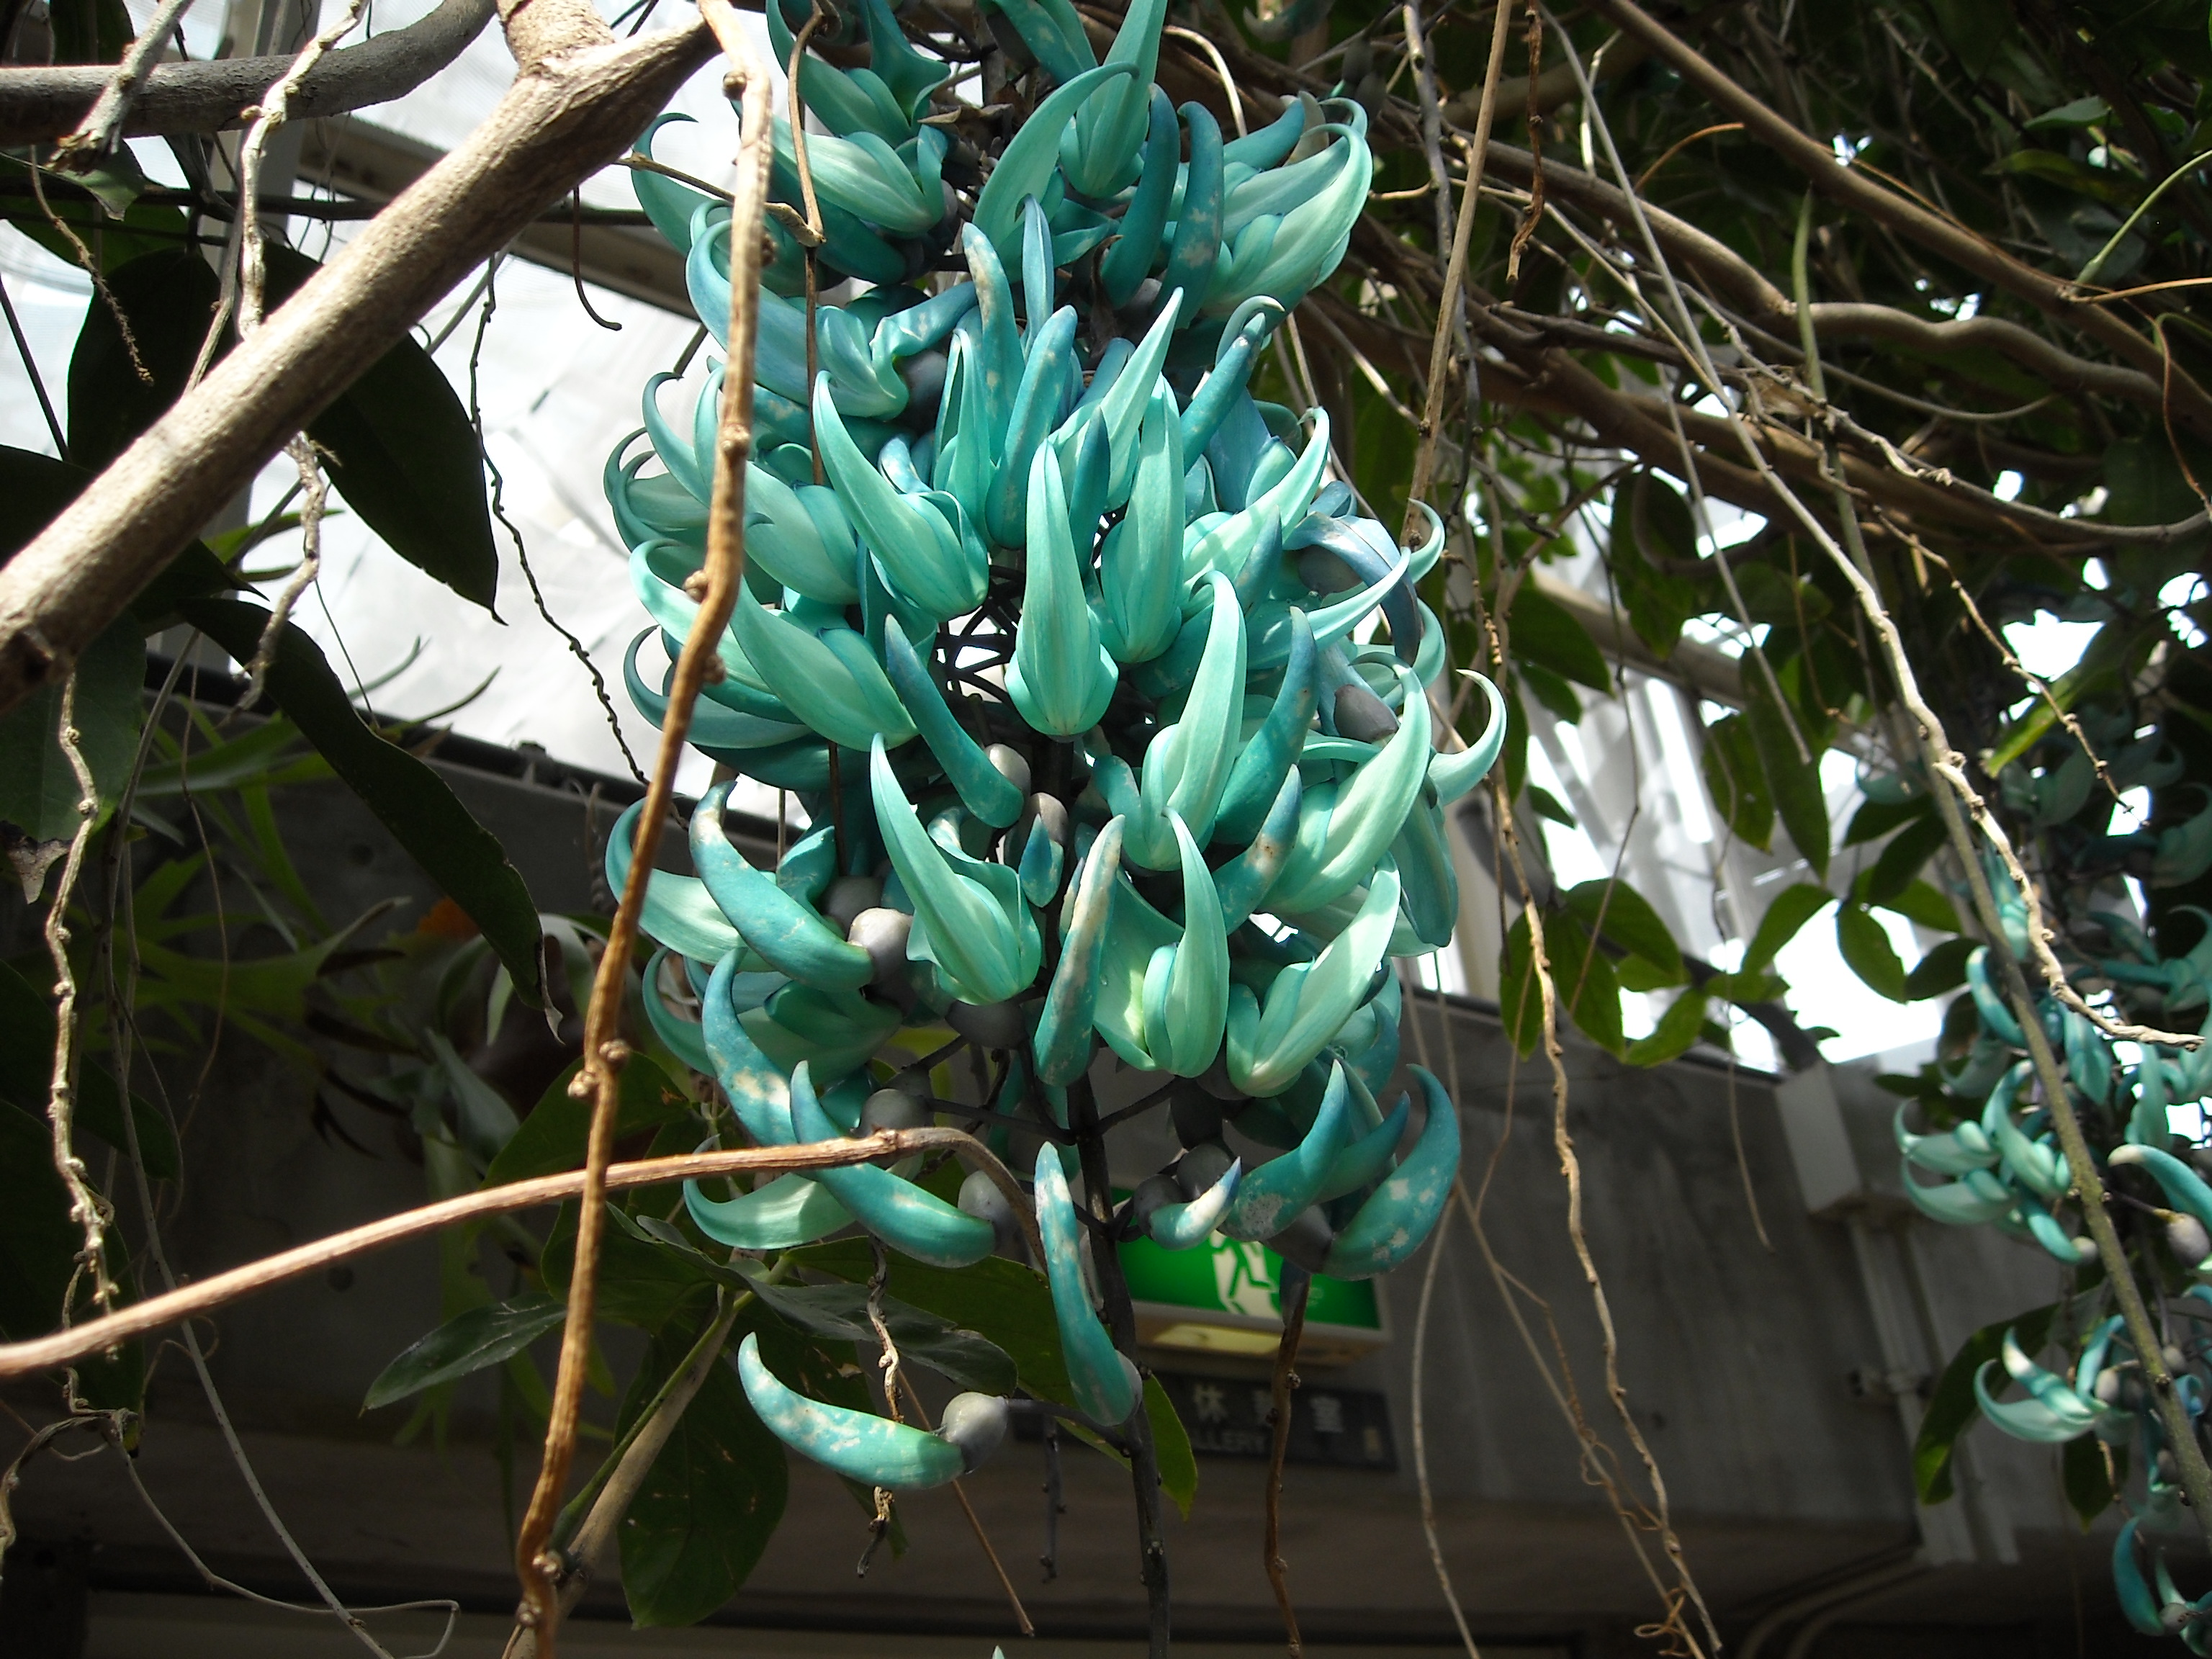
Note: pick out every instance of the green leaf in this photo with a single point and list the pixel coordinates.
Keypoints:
(1630, 922)
(712, 1499)
(471, 1341)
(170, 298)
(1944, 969)
(1676, 1031)
(1909, 849)
(27, 1063)
(1170, 1448)
(2089, 1484)
(552, 1139)
(1520, 999)
(399, 444)
(1546, 804)
(1546, 633)
(89, 31)
(1744, 988)
(1651, 526)
(1004, 1301)
(401, 450)
(39, 790)
(1583, 982)
(645, 1279)
(840, 1313)
(1922, 903)
(1952, 1407)
(1876, 818)
(1737, 783)
(1866, 948)
(1552, 691)
(410, 799)
(1793, 784)
(1793, 907)
(38, 1244)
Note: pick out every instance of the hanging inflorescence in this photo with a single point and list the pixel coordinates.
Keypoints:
(1055, 630)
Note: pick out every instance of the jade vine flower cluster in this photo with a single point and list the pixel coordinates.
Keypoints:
(1055, 631)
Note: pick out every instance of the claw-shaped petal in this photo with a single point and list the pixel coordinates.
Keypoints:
(970, 918)
(1269, 1046)
(1183, 1226)
(1453, 776)
(859, 1445)
(785, 933)
(984, 790)
(1061, 678)
(1342, 831)
(917, 1223)
(1063, 1043)
(1400, 1212)
(789, 1211)
(1101, 1378)
(1187, 767)
(1270, 1197)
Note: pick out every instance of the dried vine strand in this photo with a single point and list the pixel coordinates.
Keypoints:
(1022, 1620)
(1447, 300)
(604, 1053)
(86, 1209)
(1420, 1423)
(95, 135)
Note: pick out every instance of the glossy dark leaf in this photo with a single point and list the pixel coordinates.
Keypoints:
(1520, 1000)
(1901, 860)
(1583, 983)
(1003, 1301)
(1552, 691)
(840, 1313)
(1546, 804)
(38, 1244)
(1617, 912)
(401, 450)
(1922, 903)
(645, 1279)
(39, 788)
(710, 1502)
(1172, 1451)
(1952, 1407)
(1789, 911)
(1737, 783)
(26, 1058)
(410, 799)
(399, 444)
(1675, 1033)
(1876, 818)
(1546, 633)
(2089, 1479)
(170, 298)
(552, 1139)
(1792, 782)
(1652, 527)
(1867, 951)
(471, 1341)
(1944, 969)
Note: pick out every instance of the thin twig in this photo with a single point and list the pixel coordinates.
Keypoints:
(488, 288)
(1295, 1287)
(87, 1210)
(1448, 302)
(31, 372)
(203, 1295)
(1421, 1426)
(604, 1052)
(975, 1521)
(95, 135)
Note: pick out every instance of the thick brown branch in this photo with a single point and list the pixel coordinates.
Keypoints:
(204, 1296)
(561, 121)
(38, 104)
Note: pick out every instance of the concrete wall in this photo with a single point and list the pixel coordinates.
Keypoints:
(1773, 1381)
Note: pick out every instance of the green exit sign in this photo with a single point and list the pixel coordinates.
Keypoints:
(1225, 1298)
